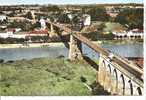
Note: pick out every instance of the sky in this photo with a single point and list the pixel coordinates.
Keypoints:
(18, 2)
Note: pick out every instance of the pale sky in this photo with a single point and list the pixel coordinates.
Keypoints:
(14, 2)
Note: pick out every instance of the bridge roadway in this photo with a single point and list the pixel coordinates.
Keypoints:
(129, 66)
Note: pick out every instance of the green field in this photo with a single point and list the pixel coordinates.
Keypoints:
(44, 76)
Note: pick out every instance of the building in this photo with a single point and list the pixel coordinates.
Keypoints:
(43, 24)
(87, 19)
(132, 34)
(6, 34)
(10, 33)
(3, 17)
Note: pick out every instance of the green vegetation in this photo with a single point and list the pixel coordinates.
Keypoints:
(98, 14)
(50, 8)
(25, 25)
(43, 76)
(95, 36)
(35, 25)
(63, 18)
(101, 30)
(29, 15)
(131, 17)
(110, 26)
(11, 40)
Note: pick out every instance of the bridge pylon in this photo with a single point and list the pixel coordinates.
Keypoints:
(75, 52)
(51, 31)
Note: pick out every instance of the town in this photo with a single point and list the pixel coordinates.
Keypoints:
(96, 48)
(21, 22)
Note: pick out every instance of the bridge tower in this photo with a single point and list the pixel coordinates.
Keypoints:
(75, 49)
(51, 30)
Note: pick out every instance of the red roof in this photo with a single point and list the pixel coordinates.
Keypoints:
(137, 30)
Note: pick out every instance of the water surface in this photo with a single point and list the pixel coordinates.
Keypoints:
(125, 50)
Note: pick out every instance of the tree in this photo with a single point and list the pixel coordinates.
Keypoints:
(53, 8)
(29, 15)
(25, 26)
(63, 18)
(35, 25)
(101, 27)
(133, 18)
(98, 14)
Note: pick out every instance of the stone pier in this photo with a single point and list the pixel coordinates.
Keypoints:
(75, 52)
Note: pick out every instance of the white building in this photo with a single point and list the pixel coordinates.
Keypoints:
(43, 23)
(3, 17)
(17, 29)
(87, 20)
(130, 34)
(6, 34)
(10, 34)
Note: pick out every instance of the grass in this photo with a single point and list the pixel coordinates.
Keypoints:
(110, 26)
(45, 77)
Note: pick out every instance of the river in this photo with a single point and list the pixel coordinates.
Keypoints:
(125, 50)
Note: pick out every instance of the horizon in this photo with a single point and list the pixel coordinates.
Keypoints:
(66, 2)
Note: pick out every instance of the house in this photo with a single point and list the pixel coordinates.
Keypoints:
(10, 34)
(3, 17)
(14, 30)
(6, 34)
(43, 23)
(135, 33)
(87, 19)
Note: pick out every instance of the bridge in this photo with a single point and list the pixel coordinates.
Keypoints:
(116, 74)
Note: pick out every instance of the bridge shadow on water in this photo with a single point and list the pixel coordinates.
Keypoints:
(64, 39)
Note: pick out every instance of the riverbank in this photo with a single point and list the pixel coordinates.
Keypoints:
(118, 42)
(46, 77)
(57, 44)
(60, 44)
